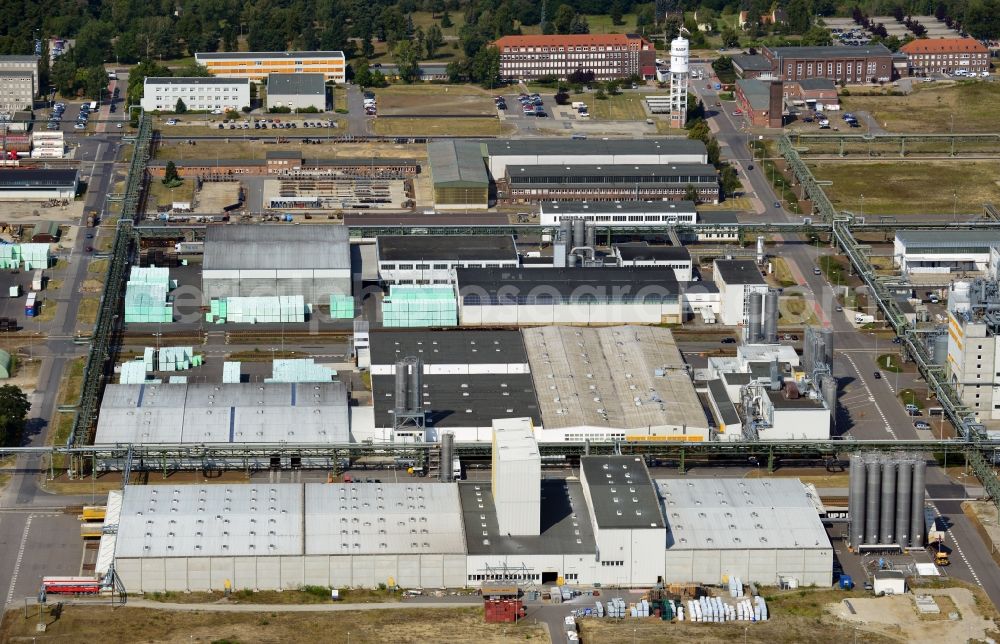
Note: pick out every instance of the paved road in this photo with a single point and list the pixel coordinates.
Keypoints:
(37, 540)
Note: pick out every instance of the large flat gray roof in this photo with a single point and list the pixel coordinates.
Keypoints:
(618, 170)
(752, 62)
(621, 493)
(833, 51)
(740, 514)
(224, 413)
(446, 248)
(565, 523)
(223, 55)
(568, 285)
(638, 251)
(276, 246)
(448, 347)
(624, 377)
(624, 207)
(296, 84)
(940, 238)
(727, 412)
(457, 163)
(739, 271)
(465, 400)
(567, 146)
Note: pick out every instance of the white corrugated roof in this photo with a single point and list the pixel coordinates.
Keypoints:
(274, 246)
(106, 549)
(383, 518)
(210, 520)
(514, 440)
(726, 514)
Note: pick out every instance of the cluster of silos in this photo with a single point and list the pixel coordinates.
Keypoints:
(574, 233)
(817, 349)
(763, 318)
(937, 348)
(886, 500)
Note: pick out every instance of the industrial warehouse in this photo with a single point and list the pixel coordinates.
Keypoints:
(625, 530)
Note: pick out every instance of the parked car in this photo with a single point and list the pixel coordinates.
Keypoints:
(878, 375)
(921, 424)
(728, 340)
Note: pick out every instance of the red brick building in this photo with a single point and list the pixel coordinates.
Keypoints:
(946, 55)
(609, 56)
(850, 65)
(761, 101)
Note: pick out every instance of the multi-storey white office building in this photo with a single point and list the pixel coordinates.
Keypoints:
(160, 94)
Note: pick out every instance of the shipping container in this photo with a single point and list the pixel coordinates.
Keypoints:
(37, 280)
(31, 306)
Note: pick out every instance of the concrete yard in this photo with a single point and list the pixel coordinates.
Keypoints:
(896, 617)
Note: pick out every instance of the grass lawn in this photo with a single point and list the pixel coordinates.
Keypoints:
(424, 19)
(910, 397)
(72, 382)
(439, 127)
(340, 99)
(783, 274)
(87, 312)
(240, 149)
(930, 107)
(834, 269)
(46, 310)
(889, 362)
(98, 266)
(161, 195)
(598, 23)
(910, 187)
(81, 623)
(623, 107)
(434, 100)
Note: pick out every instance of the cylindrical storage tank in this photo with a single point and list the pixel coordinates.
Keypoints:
(771, 317)
(856, 500)
(402, 384)
(413, 386)
(579, 233)
(756, 317)
(873, 495)
(591, 234)
(827, 335)
(760, 249)
(887, 522)
(566, 226)
(447, 455)
(917, 503)
(572, 260)
(829, 389)
(679, 53)
(940, 348)
(904, 469)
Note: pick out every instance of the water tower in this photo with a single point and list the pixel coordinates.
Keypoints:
(679, 56)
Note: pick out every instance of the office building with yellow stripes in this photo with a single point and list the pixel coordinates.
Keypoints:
(257, 65)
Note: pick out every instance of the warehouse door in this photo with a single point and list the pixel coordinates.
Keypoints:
(549, 577)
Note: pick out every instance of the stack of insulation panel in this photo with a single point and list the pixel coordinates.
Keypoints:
(419, 306)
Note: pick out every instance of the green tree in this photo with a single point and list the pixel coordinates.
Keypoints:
(563, 20)
(690, 193)
(982, 18)
(181, 107)
(405, 56)
(617, 13)
(137, 76)
(14, 407)
(170, 176)
(579, 25)
(730, 38)
(798, 16)
(730, 180)
(485, 67)
(817, 37)
(433, 40)
(362, 73)
(446, 21)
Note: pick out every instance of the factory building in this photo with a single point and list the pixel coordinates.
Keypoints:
(430, 259)
(160, 94)
(761, 531)
(630, 182)
(257, 65)
(973, 354)
(458, 174)
(609, 152)
(468, 380)
(15, 65)
(626, 517)
(283, 535)
(38, 184)
(578, 295)
(297, 91)
(943, 252)
(224, 413)
(619, 213)
(737, 280)
(613, 526)
(272, 260)
(676, 258)
(17, 91)
(612, 383)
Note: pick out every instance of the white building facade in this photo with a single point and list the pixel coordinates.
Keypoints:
(160, 94)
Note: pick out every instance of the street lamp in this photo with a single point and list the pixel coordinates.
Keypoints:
(861, 208)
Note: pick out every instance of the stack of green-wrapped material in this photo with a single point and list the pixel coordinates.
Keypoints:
(420, 306)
